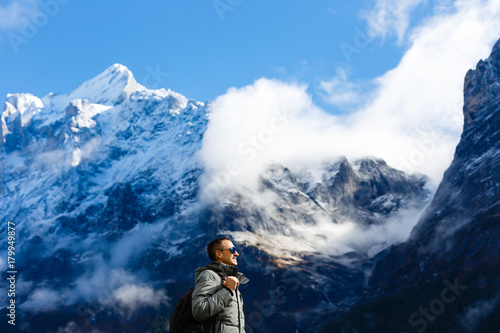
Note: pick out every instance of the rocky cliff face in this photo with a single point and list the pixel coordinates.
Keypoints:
(455, 246)
(297, 204)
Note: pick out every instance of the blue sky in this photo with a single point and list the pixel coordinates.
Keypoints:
(381, 77)
(199, 48)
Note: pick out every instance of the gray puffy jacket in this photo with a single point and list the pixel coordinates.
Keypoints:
(210, 298)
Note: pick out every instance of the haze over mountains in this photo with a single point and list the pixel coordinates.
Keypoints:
(114, 204)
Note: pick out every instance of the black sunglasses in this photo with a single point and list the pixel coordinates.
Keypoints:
(232, 249)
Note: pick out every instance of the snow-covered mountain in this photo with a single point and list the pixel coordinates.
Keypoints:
(66, 159)
(103, 186)
(91, 179)
(446, 277)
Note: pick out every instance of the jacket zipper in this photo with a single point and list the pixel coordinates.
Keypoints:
(238, 303)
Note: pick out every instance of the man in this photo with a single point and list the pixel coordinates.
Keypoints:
(216, 296)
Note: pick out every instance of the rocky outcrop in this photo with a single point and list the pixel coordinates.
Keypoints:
(455, 246)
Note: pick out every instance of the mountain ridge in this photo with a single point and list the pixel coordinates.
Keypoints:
(107, 184)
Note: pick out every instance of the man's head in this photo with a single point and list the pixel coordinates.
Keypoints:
(223, 250)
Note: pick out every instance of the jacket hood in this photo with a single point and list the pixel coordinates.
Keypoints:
(226, 270)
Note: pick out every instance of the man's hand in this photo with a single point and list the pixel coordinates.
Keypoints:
(231, 282)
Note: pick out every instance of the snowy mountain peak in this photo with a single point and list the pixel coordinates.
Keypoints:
(111, 87)
(17, 112)
(21, 103)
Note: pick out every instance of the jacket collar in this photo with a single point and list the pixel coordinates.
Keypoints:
(226, 270)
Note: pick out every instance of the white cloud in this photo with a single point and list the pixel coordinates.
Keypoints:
(133, 243)
(128, 298)
(43, 300)
(420, 101)
(53, 158)
(248, 128)
(476, 312)
(15, 14)
(391, 17)
(112, 288)
(340, 91)
(413, 120)
(333, 239)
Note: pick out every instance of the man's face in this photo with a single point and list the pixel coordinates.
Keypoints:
(224, 255)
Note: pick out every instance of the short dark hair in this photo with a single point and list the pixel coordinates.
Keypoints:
(214, 246)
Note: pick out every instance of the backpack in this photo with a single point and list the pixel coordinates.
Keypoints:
(182, 320)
